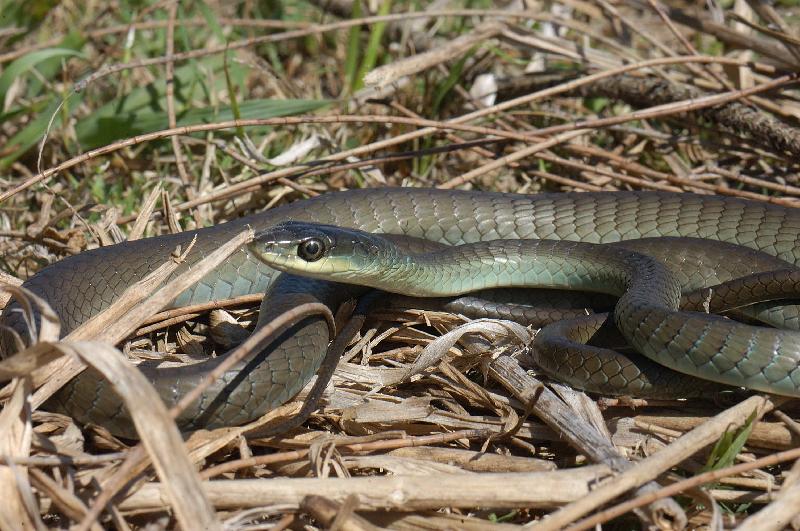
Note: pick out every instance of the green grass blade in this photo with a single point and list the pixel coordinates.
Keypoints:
(353, 50)
(211, 19)
(190, 85)
(444, 88)
(109, 128)
(28, 62)
(729, 445)
(371, 53)
(237, 115)
(32, 133)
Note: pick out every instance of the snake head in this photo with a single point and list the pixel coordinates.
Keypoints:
(319, 251)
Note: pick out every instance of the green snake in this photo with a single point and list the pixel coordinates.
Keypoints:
(648, 311)
(83, 285)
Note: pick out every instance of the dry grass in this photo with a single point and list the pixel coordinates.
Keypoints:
(423, 426)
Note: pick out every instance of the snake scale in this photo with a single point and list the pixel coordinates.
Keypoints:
(83, 285)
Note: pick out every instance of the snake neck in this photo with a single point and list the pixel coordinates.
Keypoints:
(522, 263)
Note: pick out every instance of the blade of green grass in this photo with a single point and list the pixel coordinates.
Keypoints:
(211, 19)
(232, 95)
(729, 445)
(190, 85)
(32, 133)
(444, 88)
(373, 45)
(353, 50)
(30, 61)
(146, 121)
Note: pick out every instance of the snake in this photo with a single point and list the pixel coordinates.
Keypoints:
(82, 285)
(647, 312)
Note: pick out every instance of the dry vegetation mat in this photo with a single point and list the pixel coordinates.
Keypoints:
(125, 120)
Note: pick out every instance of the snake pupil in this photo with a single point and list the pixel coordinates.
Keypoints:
(311, 250)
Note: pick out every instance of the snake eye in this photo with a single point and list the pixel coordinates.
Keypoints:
(311, 250)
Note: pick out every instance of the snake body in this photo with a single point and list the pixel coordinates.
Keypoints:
(715, 276)
(647, 313)
(83, 285)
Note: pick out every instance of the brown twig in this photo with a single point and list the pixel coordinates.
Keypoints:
(391, 444)
(658, 463)
(170, 97)
(681, 486)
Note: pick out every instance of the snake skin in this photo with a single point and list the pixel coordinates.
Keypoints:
(736, 275)
(80, 286)
(730, 272)
(647, 314)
